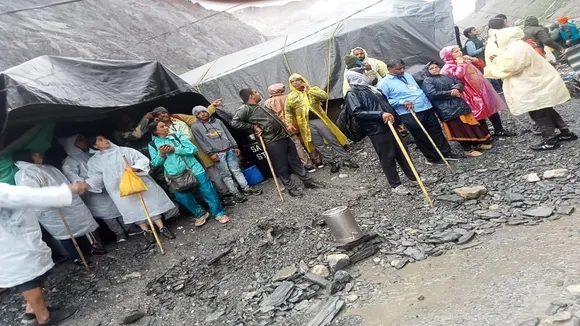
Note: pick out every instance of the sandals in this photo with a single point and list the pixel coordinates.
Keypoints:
(201, 220)
(484, 146)
(223, 219)
(473, 153)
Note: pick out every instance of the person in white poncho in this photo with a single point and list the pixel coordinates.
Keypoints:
(33, 173)
(75, 168)
(105, 171)
(25, 258)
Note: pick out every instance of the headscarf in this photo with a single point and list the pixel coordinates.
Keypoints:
(446, 54)
(563, 20)
(276, 89)
(277, 100)
(357, 79)
(426, 68)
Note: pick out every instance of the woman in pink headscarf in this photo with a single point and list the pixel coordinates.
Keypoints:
(484, 101)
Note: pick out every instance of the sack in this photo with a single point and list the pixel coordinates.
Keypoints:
(130, 183)
(182, 182)
(349, 126)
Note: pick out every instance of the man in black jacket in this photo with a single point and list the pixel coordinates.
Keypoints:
(373, 112)
(253, 117)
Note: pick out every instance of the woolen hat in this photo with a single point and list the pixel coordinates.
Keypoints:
(350, 61)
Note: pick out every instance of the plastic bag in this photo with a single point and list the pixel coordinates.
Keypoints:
(131, 183)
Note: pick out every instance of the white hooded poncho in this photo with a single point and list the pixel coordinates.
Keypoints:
(105, 171)
(24, 256)
(75, 168)
(77, 215)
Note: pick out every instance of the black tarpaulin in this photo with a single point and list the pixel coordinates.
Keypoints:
(56, 89)
(414, 30)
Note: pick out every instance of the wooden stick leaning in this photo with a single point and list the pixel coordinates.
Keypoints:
(151, 225)
(431, 140)
(69, 231)
(271, 167)
(408, 158)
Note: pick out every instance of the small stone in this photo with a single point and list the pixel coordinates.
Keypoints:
(494, 207)
(471, 192)
(415, 253)
(450, 198)
(285, 273)
(132, 275)
(511, 197)
(407, 243)
(530, 322)
(377, 260)
(557, 173)
(342, 175)
(575, 321)
(565, 210)
(552, 309)
(302, 305)
(539, 212)
(320, 270)
(489, 215)
(443, 237)
(395, 262)
(573, 289)
(350, 298)
(341, 278)
(561, 316)
(338, 261)
(214, 315)
(532, 177)
(466, 238)
(402, 263)
(303, 266)
(421, 298)
(132, 317)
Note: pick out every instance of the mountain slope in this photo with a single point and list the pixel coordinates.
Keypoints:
(113, 29)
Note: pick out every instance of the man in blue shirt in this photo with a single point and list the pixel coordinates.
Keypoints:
(404, 95)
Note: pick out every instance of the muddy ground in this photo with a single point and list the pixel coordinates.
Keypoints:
(189, 286)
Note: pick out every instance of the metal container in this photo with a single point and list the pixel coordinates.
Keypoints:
(342, 224)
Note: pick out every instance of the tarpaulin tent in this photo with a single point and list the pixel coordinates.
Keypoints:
(48, 90)
(414, 30)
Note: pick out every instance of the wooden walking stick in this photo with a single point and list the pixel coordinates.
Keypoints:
(69, 231)
(271, 167)
(431, 140)
(151, 225)
(408, 158)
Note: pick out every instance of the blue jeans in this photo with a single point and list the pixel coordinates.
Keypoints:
(229, 167)
(209, 195)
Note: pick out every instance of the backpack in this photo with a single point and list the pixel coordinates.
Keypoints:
(349, 126)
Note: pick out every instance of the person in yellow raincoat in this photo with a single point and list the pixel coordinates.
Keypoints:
(304, 109)
(531, 85)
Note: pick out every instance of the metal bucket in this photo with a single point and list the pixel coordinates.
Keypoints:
(342, 224)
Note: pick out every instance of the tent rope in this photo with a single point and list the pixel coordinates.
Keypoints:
(197, 86)
(330, 63)
(285, 58)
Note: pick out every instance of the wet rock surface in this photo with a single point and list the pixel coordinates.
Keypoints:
(269, 265)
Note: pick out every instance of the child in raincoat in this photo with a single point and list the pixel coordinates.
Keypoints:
(531, 85)
(75, 168)
(105, 171)
(33, 173)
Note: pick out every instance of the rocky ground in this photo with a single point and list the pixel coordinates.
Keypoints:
(277, 264)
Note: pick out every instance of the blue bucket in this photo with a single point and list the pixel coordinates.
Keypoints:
(253, 175)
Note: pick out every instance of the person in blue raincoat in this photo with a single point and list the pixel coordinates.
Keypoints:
(175, 153)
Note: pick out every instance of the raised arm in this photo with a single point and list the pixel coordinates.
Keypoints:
(15, 197)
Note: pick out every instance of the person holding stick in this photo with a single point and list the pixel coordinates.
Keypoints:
(105, 172)
(26, 259)
(255, 118)
(405, 95)
(372, 111)
(33, 173)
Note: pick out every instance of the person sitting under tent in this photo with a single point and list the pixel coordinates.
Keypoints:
(26, 259)
(33, 173)
(177, 124)
(75, 168)
(569, 31)
(277, 103)
(216, 140)
(375, 69)
(175, 153)
(255, 118)
(105, 171)
(304, 109)
(405, 96)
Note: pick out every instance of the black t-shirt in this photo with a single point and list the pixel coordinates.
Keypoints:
(312, 115)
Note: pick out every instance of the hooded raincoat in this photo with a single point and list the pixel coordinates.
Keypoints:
(277, 101)
(530, 82)
(378, 69)
(478, 91)
(24, 255)
(75, 169)
(299, 104)
(105, 171)
(438, 90)
(77, 215)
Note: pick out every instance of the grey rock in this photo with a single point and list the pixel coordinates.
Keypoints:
(530, 322)
(338, 261)
(561, 316)
(415, 253)
(575, 321)
(488, 215)
(302, 305)
(471, 192)
(320, 270)
(532, 177)
(278, 297)
(340, 279)
(327, 312)
(313, 278)
(553, 309)
(132, 317)
(539, 212)
(402, 263)
(557, 173)
(443, 237)
(466, 238)
(285, 273)
(215, 315)
(565, 210)
(512, 197)
(451, 199)
(364, 253)
(516, 221)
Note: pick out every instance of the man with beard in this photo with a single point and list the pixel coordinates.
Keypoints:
(373, 68)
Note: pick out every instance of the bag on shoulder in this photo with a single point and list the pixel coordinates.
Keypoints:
(185, 181)
(349, 126)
